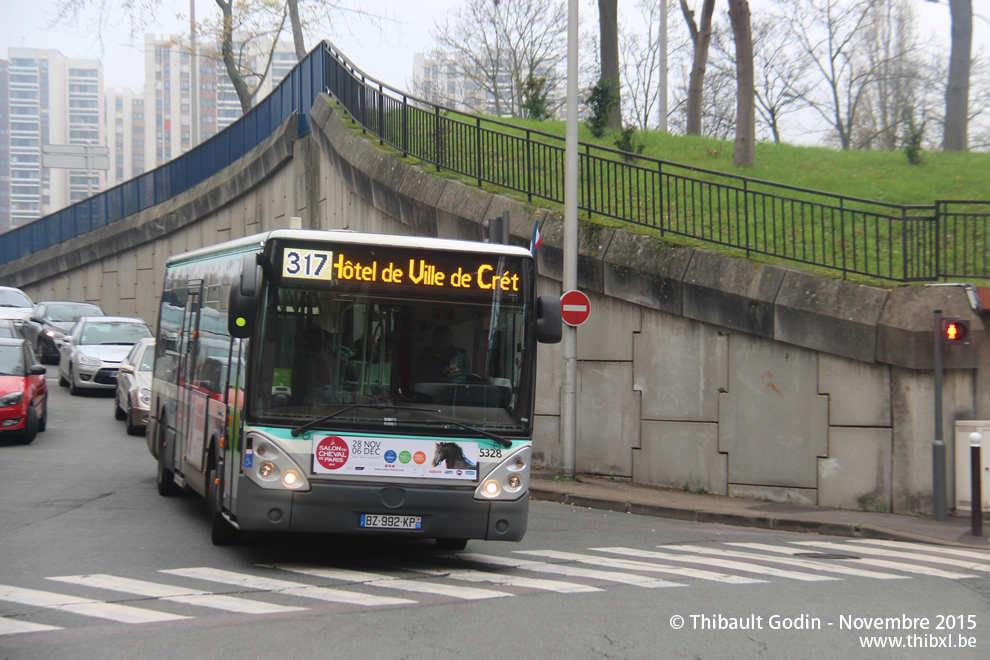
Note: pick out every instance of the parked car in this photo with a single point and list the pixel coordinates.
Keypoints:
(49, 321)
(14, 304)
(23, 391)
(90, 354)
(8, 329)
(132, 401)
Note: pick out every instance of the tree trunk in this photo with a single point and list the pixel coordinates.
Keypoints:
(743, 152)
(608, 22)
(957, 92)
(701, 35)
(227, 52)
(298, 40)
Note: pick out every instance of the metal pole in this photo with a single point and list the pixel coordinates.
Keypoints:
(193, 79)
(939, 506)
(662, 111)
(976, 487)
(568, 408)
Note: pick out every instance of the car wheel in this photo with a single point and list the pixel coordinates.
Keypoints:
(30, 427)
(62, 382)
(132, 428)
(43, 422)
(73, 390)
(118, 412)
(166, 478)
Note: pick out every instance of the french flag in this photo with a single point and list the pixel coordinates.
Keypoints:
(535, 241)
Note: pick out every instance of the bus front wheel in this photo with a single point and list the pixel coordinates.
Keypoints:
(221, 532)
(166, 478)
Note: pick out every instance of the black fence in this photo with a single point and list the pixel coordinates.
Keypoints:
(897, 242)
(904, 243)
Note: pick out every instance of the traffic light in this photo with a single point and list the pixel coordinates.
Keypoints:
(955, 331)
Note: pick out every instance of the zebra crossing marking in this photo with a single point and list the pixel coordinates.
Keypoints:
(895, 565)
(930, 558)
(247, 581)
(722, 563)
(472, 575)
(811, 564)
(570, 571)
(958, 552)
(176, 594)
(84, 606)
(389, 582)
(15, 627)
(609, 562)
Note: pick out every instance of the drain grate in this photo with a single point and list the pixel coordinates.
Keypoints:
(824, 555)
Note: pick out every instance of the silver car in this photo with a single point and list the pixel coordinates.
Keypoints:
(133, 398)
(90, 355)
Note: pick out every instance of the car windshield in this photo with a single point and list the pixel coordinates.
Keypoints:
(11, 361)
(71, 313)
(110, 333)
(14, 298)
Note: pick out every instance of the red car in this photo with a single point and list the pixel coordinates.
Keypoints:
(23, 391)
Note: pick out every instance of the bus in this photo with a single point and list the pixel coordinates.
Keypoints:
(350, 383)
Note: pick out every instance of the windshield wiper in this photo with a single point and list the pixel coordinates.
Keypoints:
(467, 427)
(376, 406)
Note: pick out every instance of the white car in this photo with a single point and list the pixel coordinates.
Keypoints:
(15, 305)
(90, 355)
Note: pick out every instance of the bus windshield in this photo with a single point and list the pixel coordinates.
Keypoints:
(371, 361)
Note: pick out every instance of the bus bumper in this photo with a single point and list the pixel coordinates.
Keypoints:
(337, 509)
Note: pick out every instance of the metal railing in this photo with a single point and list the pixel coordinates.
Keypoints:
(897, 242)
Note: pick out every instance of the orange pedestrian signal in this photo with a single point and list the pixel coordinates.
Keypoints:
(955, 331)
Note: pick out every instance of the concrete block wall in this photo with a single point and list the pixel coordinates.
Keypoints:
(694, 369)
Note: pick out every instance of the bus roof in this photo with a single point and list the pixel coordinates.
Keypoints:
(256, 242)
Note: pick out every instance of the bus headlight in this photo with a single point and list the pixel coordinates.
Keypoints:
(510, 478)
(277, 470)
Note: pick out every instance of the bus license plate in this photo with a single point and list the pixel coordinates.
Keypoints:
(391, 522)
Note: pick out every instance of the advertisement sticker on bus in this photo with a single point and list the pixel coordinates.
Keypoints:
(395, 457)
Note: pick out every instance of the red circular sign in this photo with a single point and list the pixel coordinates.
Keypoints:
(332, 452)
(575, 308)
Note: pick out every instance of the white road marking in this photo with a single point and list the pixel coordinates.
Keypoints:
(812, 564)
(388, 582)
(176, 594)
(570, 571)
(285, 587)
(883, 563)
(721, 563)
(626, 564)
(83, 606)
(15, 627)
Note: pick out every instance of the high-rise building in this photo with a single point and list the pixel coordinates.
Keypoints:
(51, 100)
(126, 135)
(4, 146)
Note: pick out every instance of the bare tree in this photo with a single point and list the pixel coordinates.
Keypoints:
(641, 62)
(701, 34)
(957, 92)
(779, 75)
(608, 28)
(743, 151)
(827, 34)
(495, 47)
(246, 33)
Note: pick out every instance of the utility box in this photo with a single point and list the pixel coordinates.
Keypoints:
(964, 494)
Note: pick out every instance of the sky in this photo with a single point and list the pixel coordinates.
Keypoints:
(385, 56)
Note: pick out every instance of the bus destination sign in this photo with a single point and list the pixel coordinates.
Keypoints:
(456, 271)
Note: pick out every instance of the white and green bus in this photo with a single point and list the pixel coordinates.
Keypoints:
(338, 382)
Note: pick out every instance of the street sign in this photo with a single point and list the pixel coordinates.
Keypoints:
(75, 157)
(575, 308)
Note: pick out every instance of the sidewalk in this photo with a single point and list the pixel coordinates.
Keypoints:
(600, 493)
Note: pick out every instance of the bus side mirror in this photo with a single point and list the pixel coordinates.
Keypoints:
(549, 327)
(243, 303)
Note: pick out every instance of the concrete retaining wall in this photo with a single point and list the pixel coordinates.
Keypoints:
(694, 369)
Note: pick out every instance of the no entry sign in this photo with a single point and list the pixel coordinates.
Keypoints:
(575, 308)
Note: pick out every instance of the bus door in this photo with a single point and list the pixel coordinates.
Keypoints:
(192, 407)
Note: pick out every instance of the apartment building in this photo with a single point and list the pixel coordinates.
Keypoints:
(51, 100)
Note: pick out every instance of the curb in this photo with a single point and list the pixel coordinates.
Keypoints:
(798, 525)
